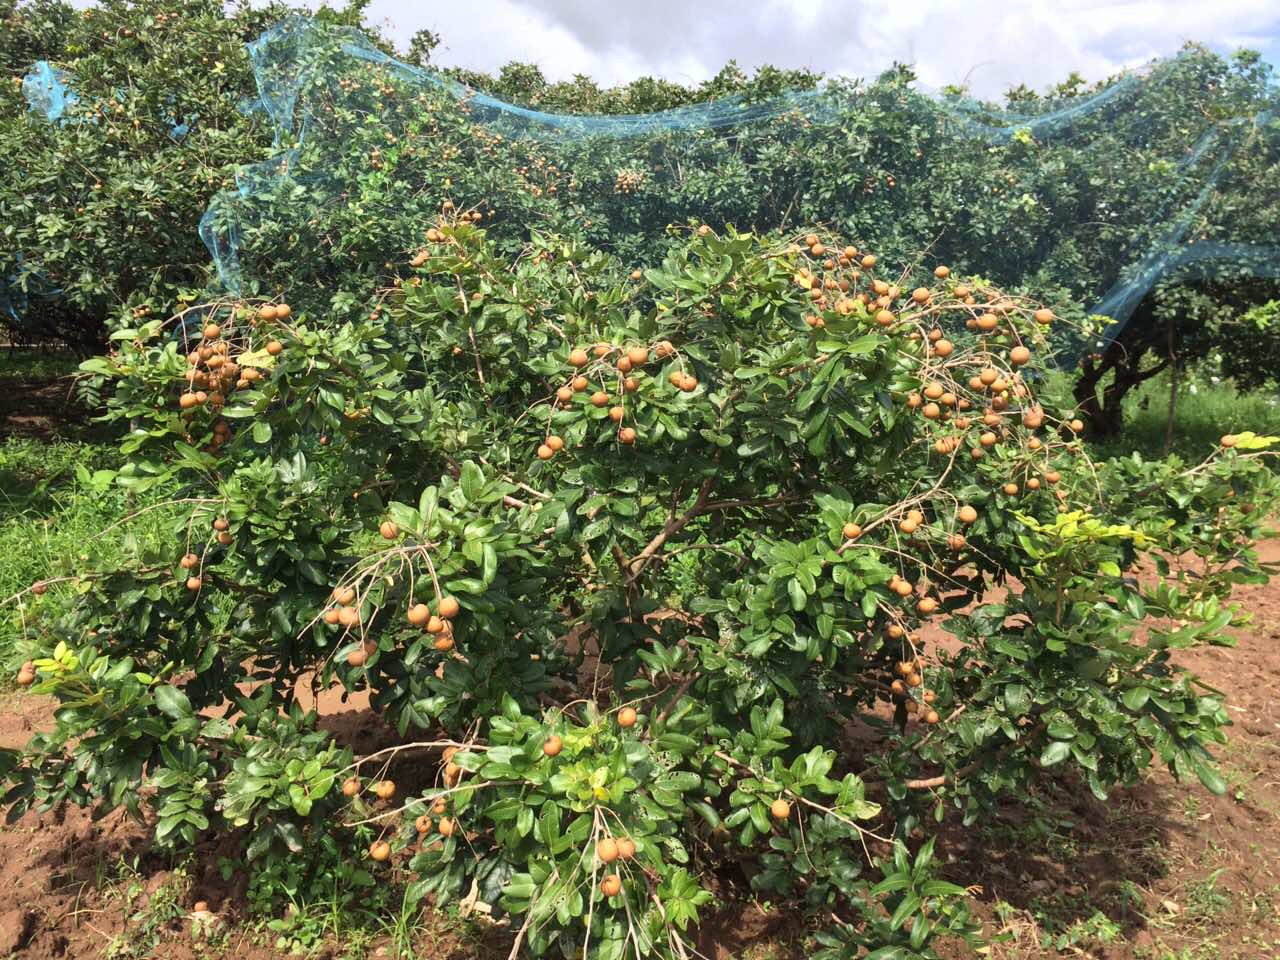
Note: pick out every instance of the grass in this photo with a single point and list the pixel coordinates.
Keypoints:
(51, 513)
(1205, 410)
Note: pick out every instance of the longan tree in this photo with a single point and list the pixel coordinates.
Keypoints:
(621, 560)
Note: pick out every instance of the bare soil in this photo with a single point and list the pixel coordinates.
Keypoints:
(1161, 871)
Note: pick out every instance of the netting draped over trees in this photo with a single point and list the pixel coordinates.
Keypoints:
(1094, 196)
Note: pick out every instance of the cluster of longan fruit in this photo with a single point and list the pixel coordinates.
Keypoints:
(626, 364)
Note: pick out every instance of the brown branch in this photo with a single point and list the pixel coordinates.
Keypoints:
(673, 525)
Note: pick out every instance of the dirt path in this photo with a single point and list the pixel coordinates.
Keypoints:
(1159, 872)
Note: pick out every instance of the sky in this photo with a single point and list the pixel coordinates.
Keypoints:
(990, 45)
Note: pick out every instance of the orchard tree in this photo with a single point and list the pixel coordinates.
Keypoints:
(100, 206)
(620, 556)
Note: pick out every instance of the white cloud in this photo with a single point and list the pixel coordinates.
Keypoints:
(991, 44)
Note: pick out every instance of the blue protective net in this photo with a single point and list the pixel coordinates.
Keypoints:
(47, 91)
(1090, 198)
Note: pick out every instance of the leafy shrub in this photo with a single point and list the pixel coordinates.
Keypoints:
(637, 567)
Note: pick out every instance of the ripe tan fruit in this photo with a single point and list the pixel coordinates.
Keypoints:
(1077, 426)
(564, 394)
(933, 391)
(194, 583)
(931, 717)
(422, 824)
(275, 348)
(615, 414)
(419, 614)
(1053, 476)
(449, 608)
(780, 809)
(627, 435)
(611, 885)
(851, 531)
(868, 261)
(966, 514)
(220, 523)
(895, 631)
(344, 595)
(188, 561)
(908, 526)
(943, 348)
(578, 357)
(1229, 440)
(1019, 355)
(555, 443)
(350, 787)
(187, 401)
(627, 717)
(1033, 483)
(545, 452)
(552, 746)
(267, 313)
(384, 789)
(331, 616)
(601, 350)
(921, 295)
(447, 826)
(1044, 316)
(664, 349)
(212, 331)
(988, 439)
(631, 384)
(26, 676)
(927, 605)
(624, 365)
(607, 850)
(942, 272)
(580, 384)
(898, 688)
(389, 530)
(356, 658)
(380, 851)
(638, 356)
(636, 274)
(434, 624)
(988, 376)
(283, 311)
(884, 318)
(349, 617)
(626, 848)
(599, 399)
(956, 542)
(439, 806)
(931, 411)
(1011, 489)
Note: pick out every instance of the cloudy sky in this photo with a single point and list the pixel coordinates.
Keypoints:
(990, 44)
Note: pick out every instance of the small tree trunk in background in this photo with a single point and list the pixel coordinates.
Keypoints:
(1174, 372)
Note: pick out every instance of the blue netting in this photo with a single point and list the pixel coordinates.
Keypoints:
(367, 148)
(47, 91)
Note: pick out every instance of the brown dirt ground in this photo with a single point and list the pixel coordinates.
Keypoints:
(1160, 872)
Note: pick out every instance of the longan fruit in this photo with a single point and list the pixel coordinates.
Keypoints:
(627, 717)
(552, 746)
(449, 608)
(607, 850)
(419, 614)
(780, 809)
